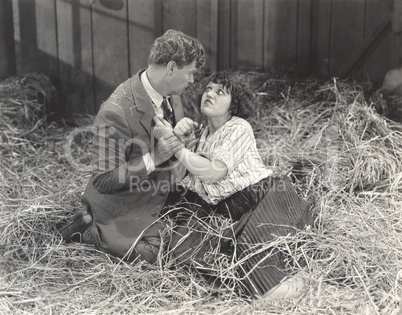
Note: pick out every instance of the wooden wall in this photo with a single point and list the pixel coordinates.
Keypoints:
(7, 47)
(89, 47)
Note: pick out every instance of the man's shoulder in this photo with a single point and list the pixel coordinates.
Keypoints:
(123, 97)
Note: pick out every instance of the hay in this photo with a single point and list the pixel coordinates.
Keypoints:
(339, 152)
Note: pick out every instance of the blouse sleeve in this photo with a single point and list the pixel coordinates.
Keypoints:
(232, 145)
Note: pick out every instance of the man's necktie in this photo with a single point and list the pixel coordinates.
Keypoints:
(167, 113)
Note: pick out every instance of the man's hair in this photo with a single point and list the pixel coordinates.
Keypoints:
(178, 47)
(241, 104)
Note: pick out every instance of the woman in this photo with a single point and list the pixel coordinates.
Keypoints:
(227, 178)
(225, 159)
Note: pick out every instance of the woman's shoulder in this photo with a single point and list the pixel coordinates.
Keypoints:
(241, 123)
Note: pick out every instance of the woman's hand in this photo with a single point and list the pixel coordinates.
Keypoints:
(184, 130)
(185, 127)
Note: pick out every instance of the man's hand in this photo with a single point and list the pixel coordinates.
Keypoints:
(185, 127)
(166, 146)
(162, 128)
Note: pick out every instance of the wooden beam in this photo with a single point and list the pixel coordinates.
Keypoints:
(320, 35)
(224, 34)
(303, 35)
(366, 48)
(75, 57)
(144, 26)
(180, 15)
(7, 48)
(249, 48)
(110, 49)
(207, 30)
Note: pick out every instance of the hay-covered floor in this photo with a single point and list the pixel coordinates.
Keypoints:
(339, 152)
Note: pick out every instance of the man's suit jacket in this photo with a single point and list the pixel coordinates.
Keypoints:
(123, 198)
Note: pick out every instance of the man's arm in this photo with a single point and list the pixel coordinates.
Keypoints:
(117, 153)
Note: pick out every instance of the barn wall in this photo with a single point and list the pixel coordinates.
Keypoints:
(7, 47)
(89, 46)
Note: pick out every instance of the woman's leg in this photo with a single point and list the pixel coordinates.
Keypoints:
(280, 212)
(270, 208)
(245, 200)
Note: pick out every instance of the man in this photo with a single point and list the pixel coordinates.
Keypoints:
(133, 170)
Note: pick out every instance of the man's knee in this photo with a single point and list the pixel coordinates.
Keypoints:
(147, 249)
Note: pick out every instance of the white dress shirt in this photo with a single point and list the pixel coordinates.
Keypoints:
(156, 99)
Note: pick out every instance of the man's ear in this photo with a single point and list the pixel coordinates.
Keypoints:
(171, 65)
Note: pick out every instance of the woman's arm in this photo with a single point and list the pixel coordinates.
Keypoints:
(202, 168)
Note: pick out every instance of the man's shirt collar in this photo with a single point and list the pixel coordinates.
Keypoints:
(155, 96)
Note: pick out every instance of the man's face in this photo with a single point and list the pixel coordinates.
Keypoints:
(180, 78)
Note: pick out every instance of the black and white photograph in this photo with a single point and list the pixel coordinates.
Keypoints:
(197, 157)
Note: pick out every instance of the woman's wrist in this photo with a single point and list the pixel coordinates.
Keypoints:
(180, 153)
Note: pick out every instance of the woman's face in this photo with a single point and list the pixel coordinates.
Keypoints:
(215, 101)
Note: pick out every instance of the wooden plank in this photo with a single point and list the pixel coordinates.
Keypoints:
(7, 53)
(234, 17)
(47, 34)
(366, 48)
(207, 31)
(75, 56)
(17, 35)
(320, 37)
(224, 34)
(286, 40)
(179, 15)
(158, 17)
(280, 35)
(303, 35)
(249, 46)
(347, 32)
(110, 49)
(375, 66)
(36, 36)
(143, 28)
(397, 51)
(270, 34)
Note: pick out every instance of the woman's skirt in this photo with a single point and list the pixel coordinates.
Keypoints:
(281, 212)
(212, 242)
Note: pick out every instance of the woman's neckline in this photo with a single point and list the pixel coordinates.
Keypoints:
(210, 132)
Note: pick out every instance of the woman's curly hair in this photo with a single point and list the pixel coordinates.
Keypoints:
(242, 97)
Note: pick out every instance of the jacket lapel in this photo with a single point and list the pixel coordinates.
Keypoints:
(142, 103)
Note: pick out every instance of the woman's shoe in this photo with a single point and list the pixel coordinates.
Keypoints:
(289, 288)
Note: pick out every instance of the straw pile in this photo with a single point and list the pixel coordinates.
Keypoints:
(338, 151)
